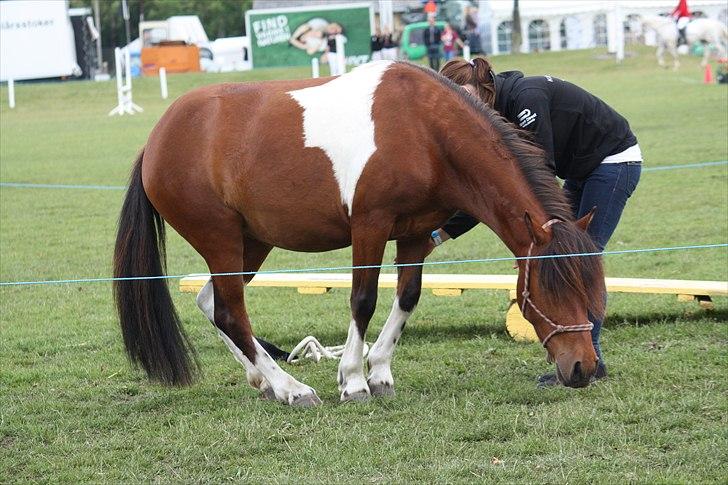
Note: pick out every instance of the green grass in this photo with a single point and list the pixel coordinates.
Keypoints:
(71, 408)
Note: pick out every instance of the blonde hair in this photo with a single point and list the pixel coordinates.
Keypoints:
(477, 72)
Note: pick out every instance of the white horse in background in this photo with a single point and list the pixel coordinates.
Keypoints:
(710, 32)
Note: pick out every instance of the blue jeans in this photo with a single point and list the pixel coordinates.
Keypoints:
(607, 188)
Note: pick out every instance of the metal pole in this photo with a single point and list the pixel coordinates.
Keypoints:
(125, 14)
(620, 33)
(97, 21)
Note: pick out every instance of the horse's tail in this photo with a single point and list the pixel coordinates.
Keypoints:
(152, 331)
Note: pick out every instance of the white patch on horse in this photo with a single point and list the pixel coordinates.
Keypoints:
(380, 355)
(337, 117)
(206, 303)
(351, 368)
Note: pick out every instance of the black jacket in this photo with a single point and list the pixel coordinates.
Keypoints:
(435, 40)
(576, 129)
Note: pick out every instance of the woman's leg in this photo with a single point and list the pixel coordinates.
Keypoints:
(607, 188)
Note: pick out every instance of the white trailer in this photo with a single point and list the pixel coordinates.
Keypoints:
(36, 40)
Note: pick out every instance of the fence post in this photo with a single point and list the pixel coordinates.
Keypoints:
(11, 93)
(314, 67)
(163, 82)
(340, 56)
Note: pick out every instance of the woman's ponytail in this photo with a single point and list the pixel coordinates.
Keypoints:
(477, 72)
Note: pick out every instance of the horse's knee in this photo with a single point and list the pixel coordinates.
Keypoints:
(227, 323)
(363, 304)
(410, 295)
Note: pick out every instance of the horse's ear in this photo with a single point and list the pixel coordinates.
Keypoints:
(584, 222)
(537, 233)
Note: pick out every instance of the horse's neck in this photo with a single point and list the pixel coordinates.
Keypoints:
(486, 182)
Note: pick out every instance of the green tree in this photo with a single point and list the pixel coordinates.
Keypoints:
(220, 18)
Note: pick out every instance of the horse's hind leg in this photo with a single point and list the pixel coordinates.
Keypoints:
(225, 255)
(253, 256)
(409, 286)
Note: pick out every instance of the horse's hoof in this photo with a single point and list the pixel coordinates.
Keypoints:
(267, 394)
(306, 401)
(359, 396)
(382, 390)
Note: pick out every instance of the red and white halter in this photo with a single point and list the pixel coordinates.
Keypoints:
(557, 329)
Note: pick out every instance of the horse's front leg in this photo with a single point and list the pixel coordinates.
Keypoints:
(368, 242)
(409, 287)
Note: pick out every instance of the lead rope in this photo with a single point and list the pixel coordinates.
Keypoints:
(557, 329)
(312, 349)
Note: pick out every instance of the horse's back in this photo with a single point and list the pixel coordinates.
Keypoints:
(288, 159)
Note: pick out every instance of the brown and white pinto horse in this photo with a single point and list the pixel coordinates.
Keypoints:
(387, 151)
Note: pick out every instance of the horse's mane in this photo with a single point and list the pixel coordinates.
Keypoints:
(577, 277)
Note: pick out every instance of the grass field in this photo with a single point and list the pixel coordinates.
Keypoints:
(466, 410)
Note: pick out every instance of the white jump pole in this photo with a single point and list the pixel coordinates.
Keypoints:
(123, 84)
(11, 93)
(314, 67)
(163, 82)
(466, 52)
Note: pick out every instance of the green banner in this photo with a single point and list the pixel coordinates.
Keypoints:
(293, 36)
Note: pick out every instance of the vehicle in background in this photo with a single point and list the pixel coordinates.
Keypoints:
(412, 42)
(180, 44)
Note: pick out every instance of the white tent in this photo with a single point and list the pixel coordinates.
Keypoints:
(573, 24)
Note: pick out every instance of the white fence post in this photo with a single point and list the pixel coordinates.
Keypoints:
(11, 93)
(466, 52)
(314, 67)
(163, 82)
(340, 56)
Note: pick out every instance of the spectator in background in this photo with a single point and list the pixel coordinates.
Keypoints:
(432, 40)
(450, 39)
(389, 46)
(377, 45)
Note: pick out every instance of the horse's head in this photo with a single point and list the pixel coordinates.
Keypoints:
(557, 293)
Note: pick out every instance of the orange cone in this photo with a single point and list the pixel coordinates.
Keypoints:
(708, 76)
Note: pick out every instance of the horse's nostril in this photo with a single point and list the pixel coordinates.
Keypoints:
(577, 370)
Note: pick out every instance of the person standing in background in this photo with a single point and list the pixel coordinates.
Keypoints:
(432, 38)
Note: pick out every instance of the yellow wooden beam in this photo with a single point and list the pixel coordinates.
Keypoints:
(689, 288)
(453, 285)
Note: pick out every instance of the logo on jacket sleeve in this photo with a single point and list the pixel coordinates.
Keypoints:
(525, 118)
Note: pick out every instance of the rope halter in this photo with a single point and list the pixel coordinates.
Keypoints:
(557, 329)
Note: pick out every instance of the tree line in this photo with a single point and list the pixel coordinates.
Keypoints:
(220, 18)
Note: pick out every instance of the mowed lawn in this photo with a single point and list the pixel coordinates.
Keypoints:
(466, 409)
